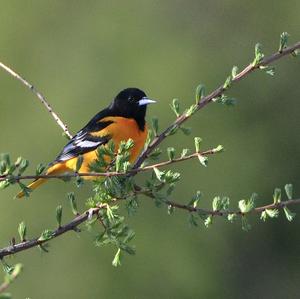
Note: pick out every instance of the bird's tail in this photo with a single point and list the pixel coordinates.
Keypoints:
(32, 186)
(54, 169)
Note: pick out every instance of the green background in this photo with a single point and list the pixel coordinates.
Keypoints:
(80, 54)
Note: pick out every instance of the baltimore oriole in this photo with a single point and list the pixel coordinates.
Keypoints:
(123, 119)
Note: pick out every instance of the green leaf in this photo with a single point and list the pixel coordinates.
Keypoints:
(227, 83)
(195, 199)
(184, 152)
(110, 148)
(171, 153)
(217, 203)
(5, 158)
(296, 53)
(5, 296)
(192, 220)
(25, 189)
(110, 213)
(289, 191)
(270, 71)
(283, 41)
(243, 205)
(200, 92)
(132, 206)
(234, 72)
(171, 177)
(198, 142)
(71, 198)
(128, 249)
(129, 144)
(78, 181)
(191, 110)
(6, 267)
(46, 235)
(171, 209)
(175, 106)
(277, 195)
(203, 160)
(170, 189)
(269, 213)
(218, 149)
(155, 125)
(44, 248)
(245, 224)
(186, 130)
(3, 167)
(246, 206)
(17, 269)
(258, 54)
(22, 231)
(263, 216)
(119, 162)
(232, 217)
(23, 165)
(79, 163)
(59, 215)
(173, 130)
(117, 259)
(40, 168)
(288, 214)
(272, 213)
(225, 203)
(4, 184)
(159, 174)
(225, 100)
(208, 221)
(155, 154)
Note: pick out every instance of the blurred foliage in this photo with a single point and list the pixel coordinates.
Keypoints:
(80, 54)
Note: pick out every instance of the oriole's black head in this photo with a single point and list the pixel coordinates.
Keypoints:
(131, 103)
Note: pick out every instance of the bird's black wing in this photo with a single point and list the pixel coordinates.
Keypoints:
(83, 141)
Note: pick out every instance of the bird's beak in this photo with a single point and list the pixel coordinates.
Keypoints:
(145, 101)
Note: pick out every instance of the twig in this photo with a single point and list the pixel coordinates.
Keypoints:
(15, 273)
(40, 97)
(192, 209)
(109, 174)
(13, 249)
(209, 98)
(257, 210)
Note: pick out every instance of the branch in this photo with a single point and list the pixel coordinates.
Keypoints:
(40, 97)
(72, 225)
(192, 209)
(209, 98)
(12, 249)
(11, 277)
(111, 173)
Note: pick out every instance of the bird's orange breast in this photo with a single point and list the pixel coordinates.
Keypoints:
(121, 129)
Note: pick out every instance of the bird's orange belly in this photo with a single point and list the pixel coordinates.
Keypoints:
(122, 129)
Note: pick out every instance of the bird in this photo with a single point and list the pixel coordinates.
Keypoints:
(122, 120)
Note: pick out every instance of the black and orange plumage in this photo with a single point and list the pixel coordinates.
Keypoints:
(123, 119)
